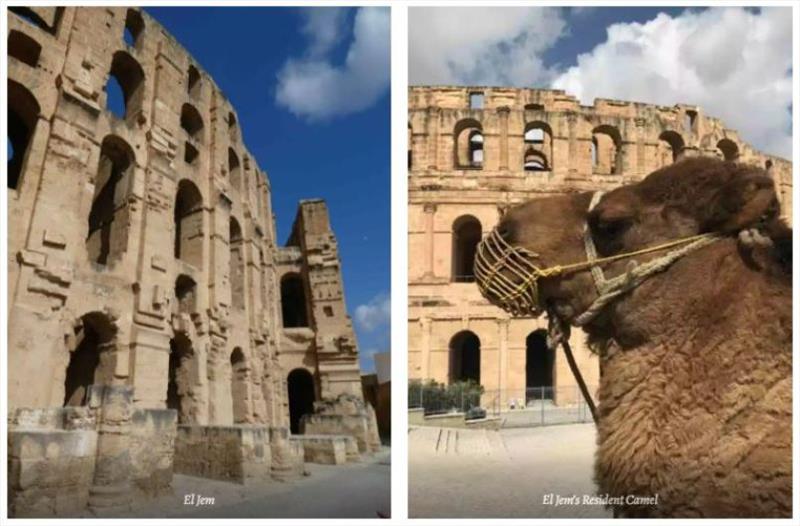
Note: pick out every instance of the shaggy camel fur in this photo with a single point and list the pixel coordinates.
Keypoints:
(696, 363)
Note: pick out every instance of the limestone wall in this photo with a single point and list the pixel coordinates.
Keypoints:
(233, 453)
(476, 151)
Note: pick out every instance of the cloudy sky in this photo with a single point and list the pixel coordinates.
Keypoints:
(733, 62)
(311, 88)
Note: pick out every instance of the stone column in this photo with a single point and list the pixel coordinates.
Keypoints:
(430, 212)
(502, 383)
(111, 488)
(433, 137)
(503, 112)
(574, 159)
(425, 359)
(640, 146)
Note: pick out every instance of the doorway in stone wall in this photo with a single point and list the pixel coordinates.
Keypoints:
(301, 397)
(94, 335)
(465, 357)
(180, 352)
(539, 362)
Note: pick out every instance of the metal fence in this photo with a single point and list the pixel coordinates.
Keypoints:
(534, 406)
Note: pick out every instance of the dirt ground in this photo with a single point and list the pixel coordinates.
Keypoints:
(357, 490)
(499, 474)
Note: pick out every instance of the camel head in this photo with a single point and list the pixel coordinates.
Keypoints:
(691, 197)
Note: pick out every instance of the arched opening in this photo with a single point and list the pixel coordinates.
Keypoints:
(232, 126)
(468, 136)
(768, 165)
(94, 336)
(32, 17)
(465, 357)
(606, 150)
(670, 147)
(107, 237)
(466, 236)
(23, 114)
(538, 147)
(409, 144)
(301, 397)
(179, 380)
(125, 81)
(539, 362)
(534, 107)
(185, 294)
(293, 301)
(239, 386)
(236, 264)
(192, 122)
(188, 224)
(728, 149)
(234, 169)
(134, 27)
(23, 48)
(193, 82)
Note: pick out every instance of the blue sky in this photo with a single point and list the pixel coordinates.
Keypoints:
(337, 147)
(735, 63)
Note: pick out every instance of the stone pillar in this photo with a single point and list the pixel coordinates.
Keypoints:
(574, 159)
(430, 212)
(433, 138)
(640, 146)
(111, 488)
(503, 112)
(425, 359)
(502, 325)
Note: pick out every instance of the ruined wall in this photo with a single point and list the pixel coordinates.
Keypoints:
(476, 151)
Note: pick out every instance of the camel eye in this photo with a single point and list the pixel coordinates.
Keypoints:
(610, 229)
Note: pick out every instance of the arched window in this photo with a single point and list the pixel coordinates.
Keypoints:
(234, 169)
(728, 149)
(538, 147)
(409, 145)
(32, 17)
(109, 217)
(129, 76)
(293, 301)
(300, 385)
(468, 151)
(232, 126)
(186, 294)
(193, 82)
(239, 383)
(607, 149)
(95, 335)
(466, 236)
(192, 122)
(23, 48)
(179, 380)
(134, 27)
(768, 165)
(670, 147)
(465, 357)
(23, 114)
(539, 364)
(188, 217)
(236, 265)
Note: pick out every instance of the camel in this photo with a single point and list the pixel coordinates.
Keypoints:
(695, 402)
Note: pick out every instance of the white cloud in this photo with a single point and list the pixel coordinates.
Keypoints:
(314, 88)
(481, 45)
(733, 63)
(374, 314)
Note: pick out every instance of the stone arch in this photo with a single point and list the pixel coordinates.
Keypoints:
(538, 139)
(179, 382)
(467, 232)
(539, 367)
(465, 357)
(728, 149)
(234, 169)
(239, 381)
(670, 147)
(607, 150)
(109, 217)
(236, 247)
(185, 294)
(23, 48)
(294, 307)
(90, 362)
(193, 81)
(301, 395)
(468, 144)
(32, 17)
(192, 122)
(188, 224)
(129, 75)
(134, 28)
(23, 114)
(232, 126)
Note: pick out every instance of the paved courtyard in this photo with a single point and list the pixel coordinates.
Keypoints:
(506, 473)
(357, 490)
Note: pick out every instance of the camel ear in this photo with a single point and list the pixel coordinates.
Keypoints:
(743, 201)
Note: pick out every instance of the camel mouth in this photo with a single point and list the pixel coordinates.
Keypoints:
(507, 276)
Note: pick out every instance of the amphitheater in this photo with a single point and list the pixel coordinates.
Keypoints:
(474, 152)
(156, 326)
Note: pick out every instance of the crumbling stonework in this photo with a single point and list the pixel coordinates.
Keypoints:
(476, 151)
(147, 291)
